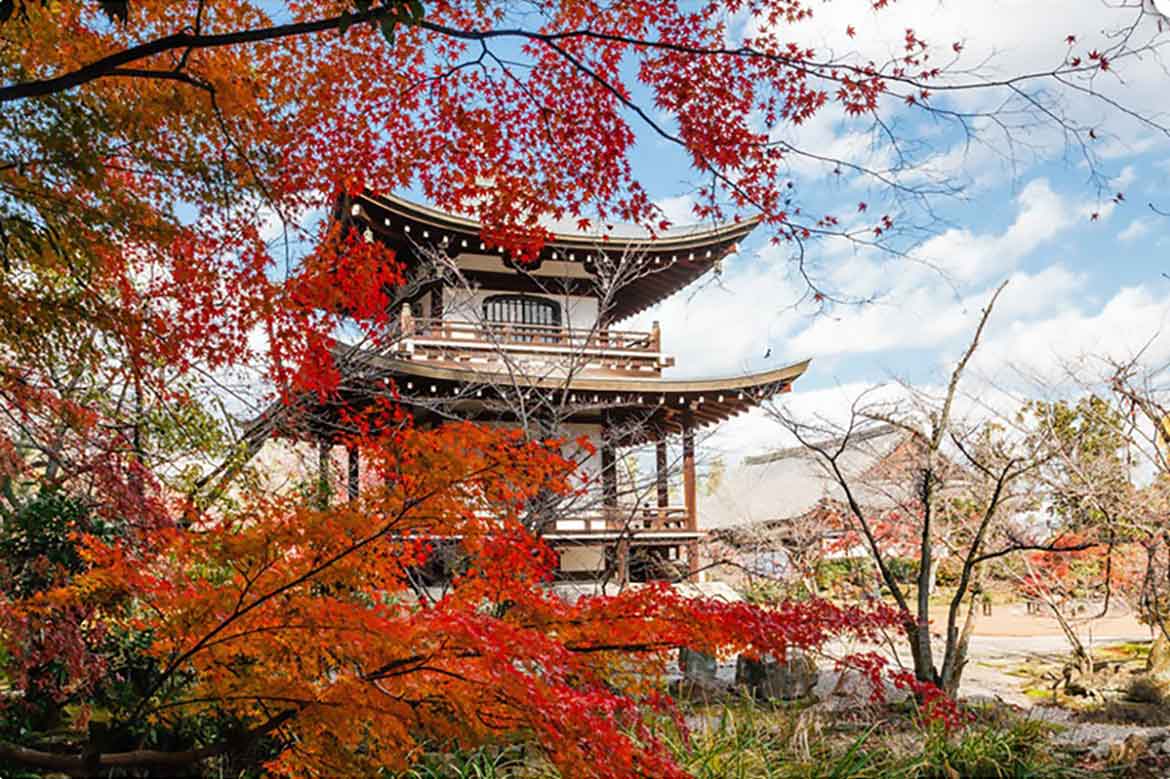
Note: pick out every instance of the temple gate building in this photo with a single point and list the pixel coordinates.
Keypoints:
(540, 344)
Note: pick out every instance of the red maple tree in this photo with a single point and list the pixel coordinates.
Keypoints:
(146, 144)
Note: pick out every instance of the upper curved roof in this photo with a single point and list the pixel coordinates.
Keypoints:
(670, 260)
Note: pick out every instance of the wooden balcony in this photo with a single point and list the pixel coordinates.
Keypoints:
(492, 345)
(632, 521)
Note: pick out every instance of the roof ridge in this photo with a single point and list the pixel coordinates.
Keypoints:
(867, 434)
(680, 232)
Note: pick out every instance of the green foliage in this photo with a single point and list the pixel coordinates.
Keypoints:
(859, 572)
(1090, 475)
(831, 574)
(949, 571)
(748, 741)
(38, 551)
(37, 548)
(904, 569)
(484, 763)
(767, 592)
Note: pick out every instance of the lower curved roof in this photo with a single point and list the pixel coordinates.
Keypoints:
(660, 405)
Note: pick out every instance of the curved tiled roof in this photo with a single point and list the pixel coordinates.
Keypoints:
(670, 261)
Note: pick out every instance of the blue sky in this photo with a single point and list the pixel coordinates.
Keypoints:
(1077, 287)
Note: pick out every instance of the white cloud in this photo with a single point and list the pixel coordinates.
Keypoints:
(678, 209)
(1019, 358)
(1136, 229)
(930, 315)
(1126, 178)
(928, 303)
(724, 326)
(1098, 212)
(1135, 320)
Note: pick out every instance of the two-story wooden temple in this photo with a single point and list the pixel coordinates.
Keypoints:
(540, 343)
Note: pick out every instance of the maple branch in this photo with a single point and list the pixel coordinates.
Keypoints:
(88, 764)
(188, 40)
(1021, 547)
(308, 575)
(191, 39)
(160, 75)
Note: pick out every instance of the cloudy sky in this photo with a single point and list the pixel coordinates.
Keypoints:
(1077, 286)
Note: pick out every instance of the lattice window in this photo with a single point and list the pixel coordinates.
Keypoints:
(524, 317)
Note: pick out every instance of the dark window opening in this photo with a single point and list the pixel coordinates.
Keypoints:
(523, 318)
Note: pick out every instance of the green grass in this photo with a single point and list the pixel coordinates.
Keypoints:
(512, 762)
(743, 741)
(761, 745)
(1130, 651)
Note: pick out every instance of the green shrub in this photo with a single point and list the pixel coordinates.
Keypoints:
(37, 546)
(1015, 749)
(831, 574)
(903, 569)
(512, 762)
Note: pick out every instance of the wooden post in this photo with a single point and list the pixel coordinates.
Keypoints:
(689, 491)
(407, 321)
(323, 487)
(660, 473)
(354, 464)
(623, 561)
(655, 337)
(609, 488)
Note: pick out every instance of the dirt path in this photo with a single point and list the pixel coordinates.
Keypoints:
(1011, 638)
(1014, 620)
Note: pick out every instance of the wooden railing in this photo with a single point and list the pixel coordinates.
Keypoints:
(443, 340)
(633, 519)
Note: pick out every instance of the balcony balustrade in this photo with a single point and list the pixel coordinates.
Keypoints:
(633, 520)
(597, 351)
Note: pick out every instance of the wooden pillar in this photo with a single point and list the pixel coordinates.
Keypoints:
(437, 301)
(660, 473)
(352, 484)
(690, 495)
(609, 489)
(323, 487)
